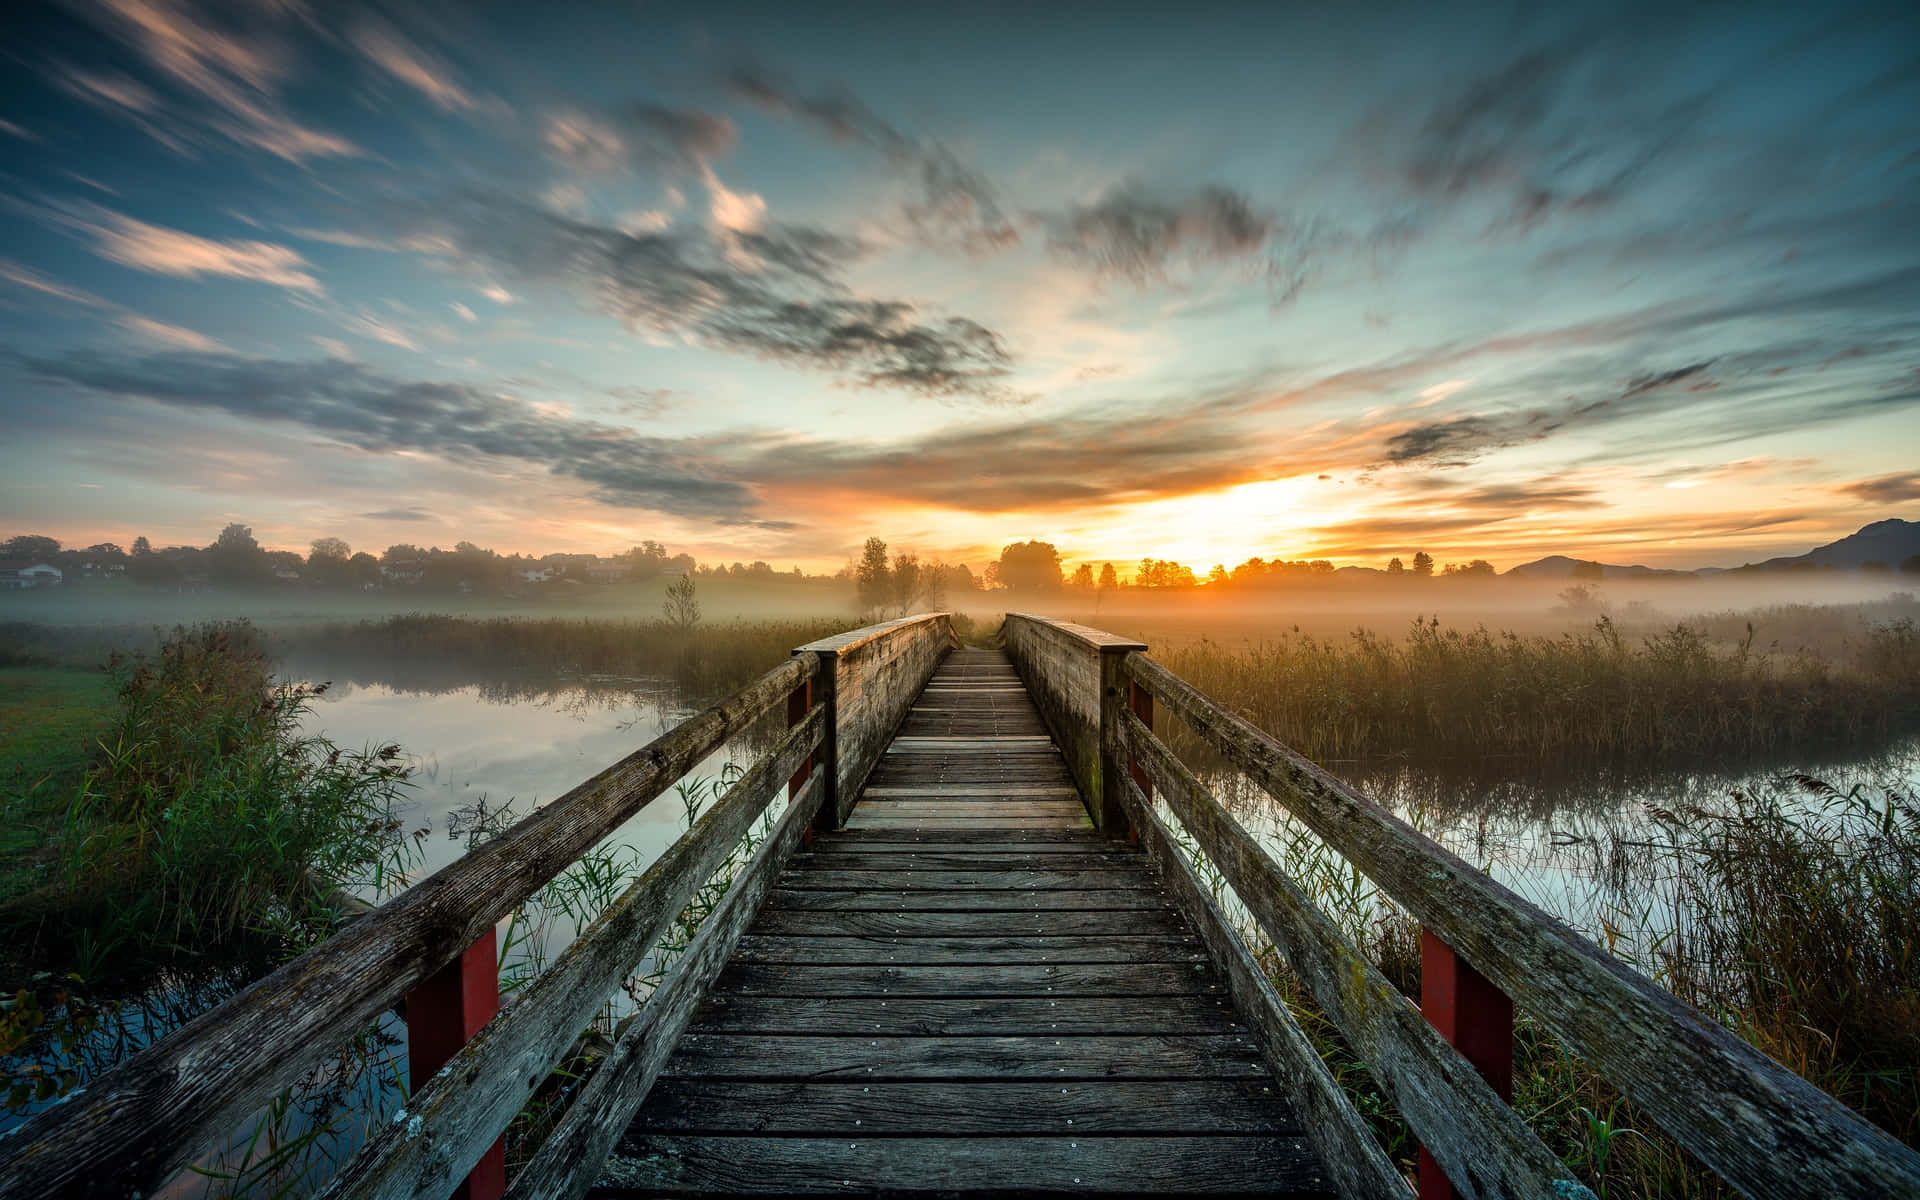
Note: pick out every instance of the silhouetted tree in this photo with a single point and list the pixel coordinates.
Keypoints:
(1082, 577)
(1396, 567)
(872, 577)
(682, 605)
(1109, 578)
(31, 545)
(235, 558)
(1030, 567)
(907, 581)
(1422, 564)
(1910, 565)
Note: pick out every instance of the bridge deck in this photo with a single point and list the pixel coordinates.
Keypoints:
(967, 990)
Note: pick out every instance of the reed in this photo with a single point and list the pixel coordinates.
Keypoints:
(1792, 916)
(1444, 695)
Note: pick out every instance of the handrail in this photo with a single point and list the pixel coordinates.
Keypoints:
(1482, 1144)
(127, 1131)
(447, 1125)
(1764, 1129)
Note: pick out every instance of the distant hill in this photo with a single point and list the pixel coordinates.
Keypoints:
(1891, 542)
(1559, 566)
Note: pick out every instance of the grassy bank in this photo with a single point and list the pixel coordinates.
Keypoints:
(1442, 695)
(187, 815)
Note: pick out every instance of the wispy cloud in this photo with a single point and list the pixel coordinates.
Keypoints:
(638, 137)
(236, 70)
(388, 49)
(372, 411)
(164, 251)
(411, 512)
(1897, 488)
(1130, 233)
(774, 292)
(176, 336)
(956, 202)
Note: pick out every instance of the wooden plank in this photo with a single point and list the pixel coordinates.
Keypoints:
(132, 1127)
(1212, 1106)
(962, 821)
(729, 1056)
(1763, 1128)
(834, 879)
(1483, 1145)
(952, 951)
(894, 1016)
(958, 853)
(564, 1166)
(995, 791)
(962, 901)
(1041, 923)
(1227, 1165)
(987, 811)
(909, 861)
(455, 1117)
(874, 837)
(1354, 1158)
(997, 979)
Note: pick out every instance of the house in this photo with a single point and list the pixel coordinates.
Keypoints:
(403, 570)
(609, 572)
(286, 573)
(20, 573)
(534, 574)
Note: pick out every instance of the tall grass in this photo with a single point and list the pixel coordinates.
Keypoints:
(1443, 695)
(1791, 916)
(203, 817)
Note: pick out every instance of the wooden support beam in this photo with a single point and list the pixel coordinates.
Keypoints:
(443, 1013)
(1476, 1018)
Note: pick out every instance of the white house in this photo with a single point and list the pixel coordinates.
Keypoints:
(20, 573)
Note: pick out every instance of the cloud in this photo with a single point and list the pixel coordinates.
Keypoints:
(375, 412)
(32, 280)
(1454, 442)
(18, 131)
(774, 292)
(956, 202)
(462, 311)
(1126, 232)
(411, 512)
(638, 137)
(235, 67)
(1897, 488)
(406, 62)
(1641, 385)
(167, 335)
(1544, 131)
(164, 251)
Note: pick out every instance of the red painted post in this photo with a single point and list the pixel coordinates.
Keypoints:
(1140, 701)
(443, 1014)
(799, 700)
(1476, 1018)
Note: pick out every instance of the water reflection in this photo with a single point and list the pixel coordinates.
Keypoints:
(1577, 845)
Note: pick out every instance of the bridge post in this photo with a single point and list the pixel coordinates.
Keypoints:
(822, 688)
(799, 700)
(1476, 1018)
(443, 1014)
(1118, 694)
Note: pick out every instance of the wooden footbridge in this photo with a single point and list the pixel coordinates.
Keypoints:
(993, 945)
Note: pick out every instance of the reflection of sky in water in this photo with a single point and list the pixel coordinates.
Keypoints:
(1583, 851)
(464, 747)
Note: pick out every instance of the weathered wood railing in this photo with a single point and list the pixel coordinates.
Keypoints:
(127, 1132)
(1762, 1128)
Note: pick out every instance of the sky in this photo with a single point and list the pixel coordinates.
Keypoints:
(1197, 282)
